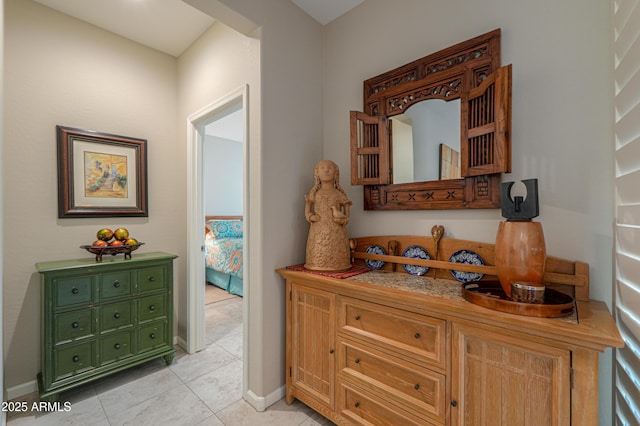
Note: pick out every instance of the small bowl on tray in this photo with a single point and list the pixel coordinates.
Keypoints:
(112, 250)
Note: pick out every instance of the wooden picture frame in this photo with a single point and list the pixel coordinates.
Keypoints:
(101, 174)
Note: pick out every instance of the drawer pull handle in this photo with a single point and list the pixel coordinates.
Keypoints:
(116, 284)
(116, 315)
(357, 361)
(331, 351)
(357, 404)
(454, 403)
(152, 307)
(117, 346)
(417, 387)
(75, 290)
(357, 317)
(75, 325)
(152, 336)
(75, 358)
(152, 279)
(417, 336)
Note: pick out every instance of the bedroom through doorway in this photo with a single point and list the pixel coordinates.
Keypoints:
(218, 245)
(222, 186)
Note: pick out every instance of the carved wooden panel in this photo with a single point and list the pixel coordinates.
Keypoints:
(313, 337)
(505, 383)
(465, 71)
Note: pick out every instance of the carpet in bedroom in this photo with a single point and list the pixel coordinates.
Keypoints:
(215, 294)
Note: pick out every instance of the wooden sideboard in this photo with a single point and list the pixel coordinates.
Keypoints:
(389, 348)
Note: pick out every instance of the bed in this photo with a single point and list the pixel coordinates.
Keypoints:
(223, 252)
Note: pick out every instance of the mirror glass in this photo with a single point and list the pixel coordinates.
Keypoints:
(426, 142)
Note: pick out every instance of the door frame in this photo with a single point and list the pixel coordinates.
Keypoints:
(195, 340)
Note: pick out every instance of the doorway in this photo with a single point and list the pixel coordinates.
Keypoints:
(214, 115)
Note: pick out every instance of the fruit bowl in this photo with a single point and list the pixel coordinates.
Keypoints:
(112, 250)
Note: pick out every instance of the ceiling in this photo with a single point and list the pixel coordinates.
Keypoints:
(170, 26)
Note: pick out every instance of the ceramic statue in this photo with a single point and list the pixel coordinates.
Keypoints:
(327, 211)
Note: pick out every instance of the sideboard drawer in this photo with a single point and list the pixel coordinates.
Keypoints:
(116, 347)
(74, 325)
(362, 408)
(151, 279)
(116, 315)
(402, 383)
(69, 291)
(417, 336)
(74, 359)
(115, 284)
(151, 307)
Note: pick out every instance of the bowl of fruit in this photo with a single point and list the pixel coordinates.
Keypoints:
(112, 242)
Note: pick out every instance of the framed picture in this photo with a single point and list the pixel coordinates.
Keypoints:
(101, 175)
(449, 163)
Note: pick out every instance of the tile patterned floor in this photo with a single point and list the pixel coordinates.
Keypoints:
(202, 389)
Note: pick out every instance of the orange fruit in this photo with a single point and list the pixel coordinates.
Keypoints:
(131, 241)
(121, 234)
(105, 234)
(99, 243)
(116, 243)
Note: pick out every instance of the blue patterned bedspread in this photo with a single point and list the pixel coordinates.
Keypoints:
(224, 255)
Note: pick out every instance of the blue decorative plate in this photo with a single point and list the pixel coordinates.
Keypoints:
(416, 252)
(375, 249)
(471, 258)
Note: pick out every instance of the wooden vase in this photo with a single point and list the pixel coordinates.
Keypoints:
(520, 253)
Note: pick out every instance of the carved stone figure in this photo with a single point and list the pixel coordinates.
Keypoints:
(327, 211)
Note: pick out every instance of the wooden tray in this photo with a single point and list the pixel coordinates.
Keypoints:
(489, 294)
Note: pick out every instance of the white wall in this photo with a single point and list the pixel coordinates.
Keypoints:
(59, 70)
(222, 176)
(286, 143)
(562, 116)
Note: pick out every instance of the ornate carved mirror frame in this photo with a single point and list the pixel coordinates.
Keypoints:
(469, 71)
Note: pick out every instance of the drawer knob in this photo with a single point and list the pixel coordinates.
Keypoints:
(152, 336)
(152, 307)
(116, 315)
(357, 317)
(75, 358)
(152, 278)
(116, 284)
(417, 387)
(417, 335)
(357, 404)
(117, 346)
(357, 360)
(75, 290)
(331, 351)
(454, 403)
(75, 325)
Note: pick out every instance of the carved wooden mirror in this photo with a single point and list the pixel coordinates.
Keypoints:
(465, 162)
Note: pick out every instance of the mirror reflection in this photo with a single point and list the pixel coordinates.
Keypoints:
(426, 142)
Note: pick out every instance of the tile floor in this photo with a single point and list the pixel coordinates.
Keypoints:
(200, 389)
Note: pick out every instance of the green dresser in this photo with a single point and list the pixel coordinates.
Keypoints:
(100, 318)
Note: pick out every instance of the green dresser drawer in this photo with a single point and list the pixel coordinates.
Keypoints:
(74, 325)
(151, 279)
(116, 347)
(74, 359)
(115, 284)
(151, 307)
(152, 336)
(116, 315)
(71, 291)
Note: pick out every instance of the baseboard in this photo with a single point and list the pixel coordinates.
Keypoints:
(177, 340)
(260, 403)
(21, 390)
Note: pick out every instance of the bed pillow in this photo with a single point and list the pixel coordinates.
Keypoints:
(226, 228)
